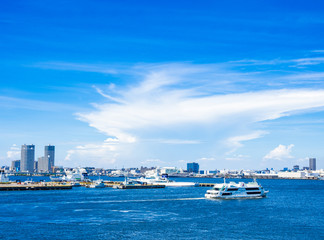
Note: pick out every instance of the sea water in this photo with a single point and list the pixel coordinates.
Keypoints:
(294, 209)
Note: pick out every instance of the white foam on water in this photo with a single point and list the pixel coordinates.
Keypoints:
(81, 210)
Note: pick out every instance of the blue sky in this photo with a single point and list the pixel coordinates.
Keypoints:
(228, 84)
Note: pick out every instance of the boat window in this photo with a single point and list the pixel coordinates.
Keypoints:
(253, 192)
(232, 189)
(248, 189)
(216, 188)
(226, 193)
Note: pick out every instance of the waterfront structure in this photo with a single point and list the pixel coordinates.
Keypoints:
(50, 156)
(312, 164)
(27, 158)
(15, 165)
(193, 167)
(297, 175)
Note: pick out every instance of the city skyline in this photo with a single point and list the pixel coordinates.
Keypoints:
(46, 164)
(224, 85)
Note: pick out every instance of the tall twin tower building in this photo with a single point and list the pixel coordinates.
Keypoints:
(44, 164)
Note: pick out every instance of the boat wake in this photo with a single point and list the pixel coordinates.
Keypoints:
(138, 200)
(159, 200)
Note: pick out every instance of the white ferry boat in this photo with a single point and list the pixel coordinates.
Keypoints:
(71, 176)
(97, 184)
(127, 182)
(234, 190)
(156, 179)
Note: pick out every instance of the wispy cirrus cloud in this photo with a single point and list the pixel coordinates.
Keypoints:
(37, 105)
(182, 100)
(318, 51)
(171, 108)
(236, 142)
(296, 62)
(305, 76)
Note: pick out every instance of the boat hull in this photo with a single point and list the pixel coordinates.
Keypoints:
(96, 186)
(234, 197)
(100, 185)
(168, 183)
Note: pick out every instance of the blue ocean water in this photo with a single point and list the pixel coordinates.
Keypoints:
(294, 209)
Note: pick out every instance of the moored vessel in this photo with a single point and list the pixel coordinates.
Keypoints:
(97, 184)
(234, 190)
(157, 179)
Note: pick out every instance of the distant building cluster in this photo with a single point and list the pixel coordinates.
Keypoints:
(46, 165)
(27, 163)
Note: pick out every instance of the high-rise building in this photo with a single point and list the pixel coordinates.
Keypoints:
(50, 155)
(15, 165)
(44, 165)
(312, 164)
(35, 166)
(27, 158)
(193, 167)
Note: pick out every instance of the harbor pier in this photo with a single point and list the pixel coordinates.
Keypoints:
(23, 187)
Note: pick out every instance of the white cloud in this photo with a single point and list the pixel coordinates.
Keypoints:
(182, 100)
(297, 61)
(94, 154)
(236, 142)
(280, 153)
(36, 105)
(206, 159)
(305, 76)
(14, 152)
(108, 96)
(318, 51)
(156, 106)
(303, 160)
(309, 61)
